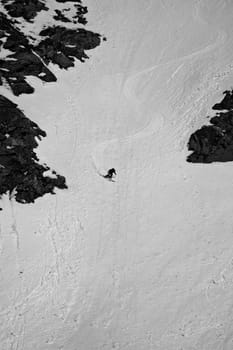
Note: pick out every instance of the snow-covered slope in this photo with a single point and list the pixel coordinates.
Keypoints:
(146, 262)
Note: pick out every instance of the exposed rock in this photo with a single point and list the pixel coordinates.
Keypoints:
(80, 13)
(226, 103)
(58, 45)
(61, 17)
(22, 62)
(214, 143)
(19, 168)
(21, 174)
(27, 9)
(62, 45)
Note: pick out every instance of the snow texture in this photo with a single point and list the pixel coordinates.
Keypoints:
(144, 263)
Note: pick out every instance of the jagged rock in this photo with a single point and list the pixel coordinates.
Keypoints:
(214, 143)
(20, 171)
(61, 17)
(19, 168)
(62, 45)
(27, 9)
(22, 62)
(58, 45)
(226, 103)
(80, 13)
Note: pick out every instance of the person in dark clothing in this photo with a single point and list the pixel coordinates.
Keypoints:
(110, 174)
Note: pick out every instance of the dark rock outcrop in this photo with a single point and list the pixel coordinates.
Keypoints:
(214, 143)
(80, 14)
(61, 17)
(62, 45)
(19, 168)
(21, 174)
(22, 61)
(226, 103)
(58, 45)
(28, 9)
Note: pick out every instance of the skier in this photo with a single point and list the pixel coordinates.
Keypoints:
(110, 174)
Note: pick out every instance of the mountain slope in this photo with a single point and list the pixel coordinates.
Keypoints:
(145, 262)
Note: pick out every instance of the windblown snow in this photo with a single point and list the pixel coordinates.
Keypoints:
(144, 263)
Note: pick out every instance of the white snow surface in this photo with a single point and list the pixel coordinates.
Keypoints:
(145, 263)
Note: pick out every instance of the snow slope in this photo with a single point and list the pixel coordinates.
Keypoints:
(144, 263)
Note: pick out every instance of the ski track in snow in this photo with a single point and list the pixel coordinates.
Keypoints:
(96, 288)
(130, 83)
(128, 89)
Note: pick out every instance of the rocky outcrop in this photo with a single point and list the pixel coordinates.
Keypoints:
(21, 61)
(62, 45)
(28, 9)
(79, 17)
(21, 173)
(19, 168)
(57, 44)
(214, 143)
(61, 17)
(226, 103)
